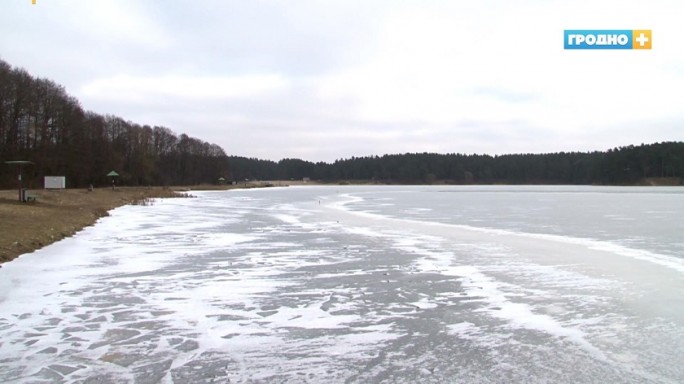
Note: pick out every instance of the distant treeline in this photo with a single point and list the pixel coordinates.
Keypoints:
(624, 165)
(41, 123)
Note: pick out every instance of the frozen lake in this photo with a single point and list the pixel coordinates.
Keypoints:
(358, 284)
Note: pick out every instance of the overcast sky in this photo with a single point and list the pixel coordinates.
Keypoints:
(323, 80)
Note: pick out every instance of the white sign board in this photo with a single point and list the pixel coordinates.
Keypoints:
(55, 182)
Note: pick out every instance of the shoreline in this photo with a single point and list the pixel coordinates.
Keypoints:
(57, 214)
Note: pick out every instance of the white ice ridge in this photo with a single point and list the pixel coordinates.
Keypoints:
(487, 290)
(670, 262)
(518, 315)
(477, 285)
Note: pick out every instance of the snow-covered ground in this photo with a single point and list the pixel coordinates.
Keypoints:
(295, 285)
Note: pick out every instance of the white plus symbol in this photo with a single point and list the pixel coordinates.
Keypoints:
(642, 39)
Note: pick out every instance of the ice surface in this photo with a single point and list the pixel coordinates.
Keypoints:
(271, 286)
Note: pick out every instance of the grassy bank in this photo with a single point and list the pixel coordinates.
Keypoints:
(25, 227)
(56, 214)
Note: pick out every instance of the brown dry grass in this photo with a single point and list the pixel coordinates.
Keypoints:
(25, 227)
